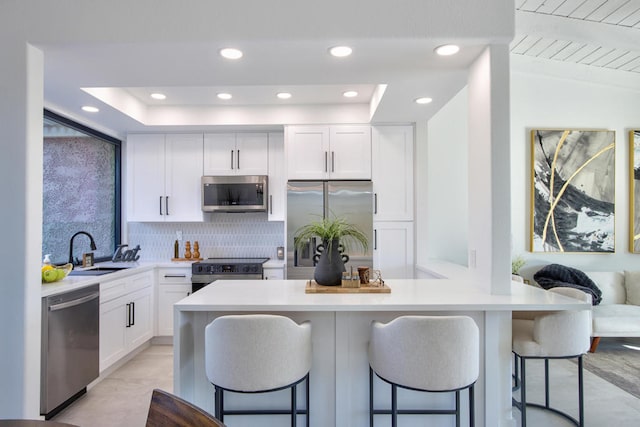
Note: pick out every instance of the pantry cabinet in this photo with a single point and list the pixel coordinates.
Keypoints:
(126, 316)
(393, 249)
(277, 177)
(174, 284)
(163, 177)
(392, 172)
(329, 152)
(242, 153)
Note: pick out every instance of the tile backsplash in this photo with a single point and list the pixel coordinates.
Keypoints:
(226, 235)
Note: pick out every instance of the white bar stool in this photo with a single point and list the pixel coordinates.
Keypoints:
(425, 353)
(258, 353)
(550, 335)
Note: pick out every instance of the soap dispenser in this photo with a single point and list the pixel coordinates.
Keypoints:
(47, 260)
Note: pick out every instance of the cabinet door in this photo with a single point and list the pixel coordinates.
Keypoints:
(392, 162)
(113, 345)
(220, 156)
(393, 249)
(184, 159)
(145, 177)
(140, 318)
(350, 152)
(252, 156)
(307, 150)
(277, 177)
(167, 296)
(273, 274)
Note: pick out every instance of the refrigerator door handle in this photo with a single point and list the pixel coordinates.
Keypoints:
(375, 239)
(375, 203)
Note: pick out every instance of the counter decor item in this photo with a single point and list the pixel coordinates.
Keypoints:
(188, 255)
(337, 235)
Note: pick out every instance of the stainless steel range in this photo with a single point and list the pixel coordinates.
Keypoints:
(211, 269)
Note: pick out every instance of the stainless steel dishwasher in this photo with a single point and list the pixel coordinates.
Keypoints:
(70, 347)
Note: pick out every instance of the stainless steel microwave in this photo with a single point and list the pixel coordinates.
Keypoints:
(234, 193)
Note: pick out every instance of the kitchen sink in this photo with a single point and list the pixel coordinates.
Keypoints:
(96, 271)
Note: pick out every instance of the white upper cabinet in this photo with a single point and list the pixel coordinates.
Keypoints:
(163, 177)
(392, 170)
(277, 177)
(236, 154)
(329, 152)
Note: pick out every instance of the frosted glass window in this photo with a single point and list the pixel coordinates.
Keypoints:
(81, 190)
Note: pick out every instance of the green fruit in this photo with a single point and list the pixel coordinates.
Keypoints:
(50, 276)
(61, 273)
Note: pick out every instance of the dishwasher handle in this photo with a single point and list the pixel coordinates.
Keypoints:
(73, 303)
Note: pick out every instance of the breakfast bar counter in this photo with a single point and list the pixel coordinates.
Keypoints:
(340, 333)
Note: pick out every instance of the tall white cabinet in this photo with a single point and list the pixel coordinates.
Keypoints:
(329, 152)
(163, 177)
(277, 177)
(392, 171)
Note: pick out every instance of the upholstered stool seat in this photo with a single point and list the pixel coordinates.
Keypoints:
(424, 353)
(258, 353)
(550, 335)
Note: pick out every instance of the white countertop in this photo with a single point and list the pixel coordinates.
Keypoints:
(406, 295)
(70, 283)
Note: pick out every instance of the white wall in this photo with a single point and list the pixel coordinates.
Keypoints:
(540, 101)
(441, 185)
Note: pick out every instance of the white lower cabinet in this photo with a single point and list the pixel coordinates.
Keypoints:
(273, 273)
(393, 249)
(126, 316)
(174, 284)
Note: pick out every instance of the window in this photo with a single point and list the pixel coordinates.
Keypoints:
(81, 190)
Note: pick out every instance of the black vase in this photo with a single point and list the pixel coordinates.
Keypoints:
(330, 265)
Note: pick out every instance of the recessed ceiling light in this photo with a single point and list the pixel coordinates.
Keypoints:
(447, 49)
(423, 100)
(340, 51)
(231, 53)
(350, 94)
(283, 95)
(90, 109)
(224, 96)
(159, 96)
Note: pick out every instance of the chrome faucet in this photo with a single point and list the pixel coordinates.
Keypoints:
(92, 243)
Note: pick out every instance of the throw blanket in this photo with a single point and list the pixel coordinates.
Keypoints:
(554, 275)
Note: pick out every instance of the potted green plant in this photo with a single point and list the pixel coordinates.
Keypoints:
(336, 233)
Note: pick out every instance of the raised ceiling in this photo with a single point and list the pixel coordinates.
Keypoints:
(595, 33)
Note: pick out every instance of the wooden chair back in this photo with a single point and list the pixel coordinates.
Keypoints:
(168, 410)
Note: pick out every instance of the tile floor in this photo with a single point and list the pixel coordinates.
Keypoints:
(122, 399)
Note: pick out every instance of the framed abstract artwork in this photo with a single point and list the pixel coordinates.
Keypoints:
(634, 191)
(572, 190)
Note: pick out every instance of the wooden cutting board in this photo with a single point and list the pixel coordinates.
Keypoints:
(313, 288)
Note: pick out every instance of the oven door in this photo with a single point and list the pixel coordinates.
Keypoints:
(199, 281)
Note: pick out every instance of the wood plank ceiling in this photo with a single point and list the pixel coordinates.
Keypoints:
(598, 33)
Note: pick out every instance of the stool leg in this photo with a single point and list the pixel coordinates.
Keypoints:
(308, 401)
(370, 397)
(546, 384)
(472, 406)
(457, 408)
(523, 394)
(294, 405)
(394, 405)
(580, 392)
(218, 402)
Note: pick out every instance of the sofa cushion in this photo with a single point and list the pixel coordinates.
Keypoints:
(616, 320)
(632, 285)
(611, 283)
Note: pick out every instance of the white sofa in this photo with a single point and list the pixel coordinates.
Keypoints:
(618, 314)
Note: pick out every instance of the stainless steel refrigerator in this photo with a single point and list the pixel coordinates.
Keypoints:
(309, 201)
